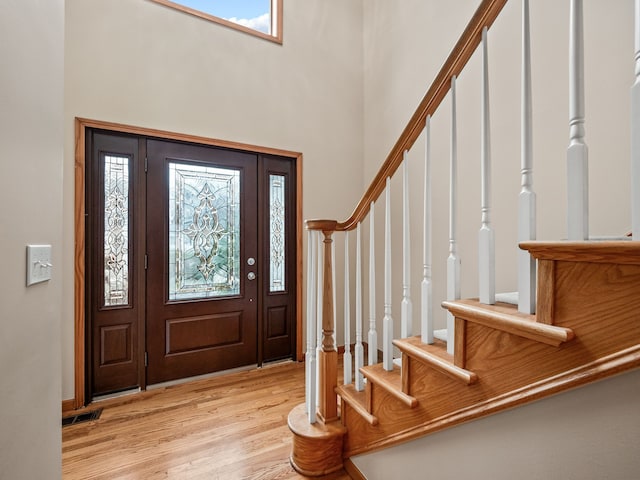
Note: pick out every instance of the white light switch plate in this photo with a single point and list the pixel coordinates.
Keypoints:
(38, 263)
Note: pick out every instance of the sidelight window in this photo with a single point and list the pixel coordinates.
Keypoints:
(116, 230)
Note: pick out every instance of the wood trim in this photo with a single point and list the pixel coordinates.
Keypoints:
(546, 291)
(391, 381)
(614, 364)
(317, 447)
(508, 319)
(183, 137)
(81, 124)
(485, 15)
(435, 358)
(358, 401)
(460, 343)
(68, 405)
(299, 260)
(79, 262)
(353, 471)
(276, 20)
(622, 252)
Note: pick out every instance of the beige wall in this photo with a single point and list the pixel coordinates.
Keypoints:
(341, 89)
(405, 44)
(139, 63)
(31, 136)
(592, 432)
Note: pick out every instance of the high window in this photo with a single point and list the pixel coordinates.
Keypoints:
(262, 18)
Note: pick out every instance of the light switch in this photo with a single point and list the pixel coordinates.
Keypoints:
(38, 263)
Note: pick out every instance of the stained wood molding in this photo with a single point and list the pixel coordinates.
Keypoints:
(358, 402)
(276, 22)
(81, 124)
(623, 252)
(353, 471)
(617, 363)
(68, 405)
(506, 318)
(390, 381)
(436, 358)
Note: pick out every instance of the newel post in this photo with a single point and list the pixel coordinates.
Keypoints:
(328, 355)
(317, 446)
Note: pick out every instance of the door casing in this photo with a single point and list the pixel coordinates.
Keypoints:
(81, 126)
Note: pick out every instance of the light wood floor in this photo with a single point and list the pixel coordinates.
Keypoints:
(227, 427)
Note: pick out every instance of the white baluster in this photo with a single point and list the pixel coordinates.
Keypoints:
(359, 350)
(406, 307)
(486, 243)
(311, 327)
(635, 132)
(333, 280)
(387, 321)
(426, 286)
(577, 153)
(320, 302)
(527, 197)
(453, 262)
(373, 334)
(347, 360)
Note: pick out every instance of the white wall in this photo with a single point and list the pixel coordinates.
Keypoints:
(591, 432)
(405, 45)
(139, 63)
(31, 148)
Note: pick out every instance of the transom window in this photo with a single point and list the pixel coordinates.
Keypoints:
(262, 18)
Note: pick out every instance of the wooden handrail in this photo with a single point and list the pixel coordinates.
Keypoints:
(485, 15)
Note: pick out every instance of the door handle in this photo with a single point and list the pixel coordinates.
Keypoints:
(251, 276)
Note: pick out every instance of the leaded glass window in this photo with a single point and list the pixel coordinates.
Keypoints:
(116, 230)
(277, 233)
(204, 231)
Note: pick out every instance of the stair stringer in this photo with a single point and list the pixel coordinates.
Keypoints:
(597, 301)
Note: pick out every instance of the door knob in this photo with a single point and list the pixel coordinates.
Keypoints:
(251, 276)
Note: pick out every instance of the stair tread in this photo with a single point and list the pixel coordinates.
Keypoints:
(357, 400)
(390, 381)
(436, 356)
(506, 317)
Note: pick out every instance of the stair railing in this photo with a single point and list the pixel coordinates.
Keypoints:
(325, 358)
(322, 358)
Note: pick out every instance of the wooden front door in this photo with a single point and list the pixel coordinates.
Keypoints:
(190, 260)
(202, 246)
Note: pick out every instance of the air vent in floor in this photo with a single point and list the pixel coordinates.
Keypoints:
(82, 417)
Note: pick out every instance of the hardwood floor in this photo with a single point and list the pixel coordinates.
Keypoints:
(227, 427)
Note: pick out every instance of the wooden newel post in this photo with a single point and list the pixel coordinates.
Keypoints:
(317, 447)
(328, 356)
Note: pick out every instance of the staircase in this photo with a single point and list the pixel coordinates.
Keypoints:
(574, 320)
(505, 358)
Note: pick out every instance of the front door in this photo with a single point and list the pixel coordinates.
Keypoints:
(202, 245)
(190, 260)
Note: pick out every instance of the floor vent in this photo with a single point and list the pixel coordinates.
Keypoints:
(82, 417)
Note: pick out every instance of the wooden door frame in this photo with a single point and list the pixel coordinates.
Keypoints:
(81, 125)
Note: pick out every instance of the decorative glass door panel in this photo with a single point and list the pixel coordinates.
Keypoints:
(116, 230)
(204, 231)
(202, 227)
(112, 265)
(277, 242)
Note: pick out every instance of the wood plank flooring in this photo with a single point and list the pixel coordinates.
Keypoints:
(227, 427)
